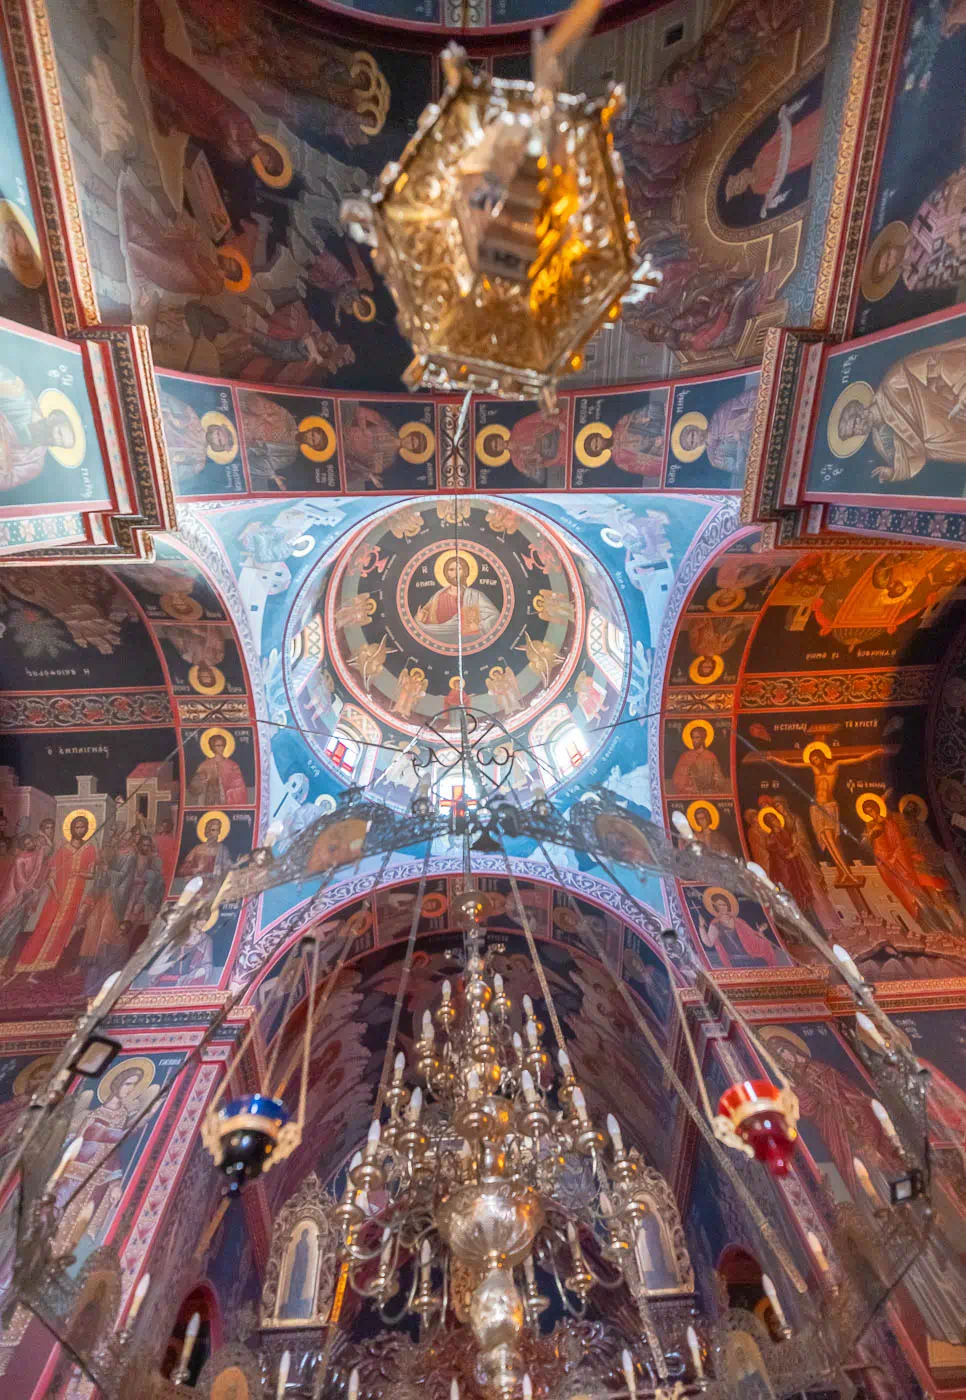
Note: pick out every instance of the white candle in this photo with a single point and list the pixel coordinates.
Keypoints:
(399, 1066)
(386, 1254)
(482, 1024)
(415, 1105)
(447, 991)
(517, 1043)
(498, 984)
(283, 1369)
(815, 1245)
(527, 1387)
(563, 1060)
(694, 1347)
(870, 1031)
(356, 1159)
(473, 1085)
(375, 1132)
(429, 1035)
(772, 1297)
(762, 874)
(70, 1152)
(454, 1389)
(843, 957)
(424, 1261)
(865, 1180)
(529, 1092)
(681, 825)
(528, 1007)
(190, 1337)
(614, 1128)
(532, 1034)
(627, 1366)
(888, 1127)
(140, 1293)
(579, 1103)
(354, 1384)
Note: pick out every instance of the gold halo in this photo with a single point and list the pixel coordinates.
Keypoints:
(912, 799)
(694, 724)
(894, 235)
(874, 797)
(421, 454)
(706, 680)
(195, 611)
(215, 689)
(228, 454)
(147, 1069)
(318, 454)
(11, 213)
(859, 392)
(242, 283)
(48, 402)
(715, 604)
(79, 812)
(690, 420)
(775, 812)
(206, 817)
(816, 744)
(368, 312)
(44, 1061)
(708, 807)
(581, 450)
(210, 734)
(275, 182)
(493, 459)
(416, 673)
(449, 554)
(782, 1033)
(714, 890)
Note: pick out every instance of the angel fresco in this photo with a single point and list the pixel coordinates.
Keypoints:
(917, 414)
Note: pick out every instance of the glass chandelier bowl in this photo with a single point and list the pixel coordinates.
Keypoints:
(503, 232)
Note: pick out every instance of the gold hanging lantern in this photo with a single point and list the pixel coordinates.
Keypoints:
(503, 231)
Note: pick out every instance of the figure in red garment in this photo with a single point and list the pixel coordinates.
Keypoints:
(218, 780)
(537, 445)
(793, 147)
(70, 870)
(893, 858)
(183, 100)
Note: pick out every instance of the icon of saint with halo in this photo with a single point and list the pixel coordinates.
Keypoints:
(457, 609)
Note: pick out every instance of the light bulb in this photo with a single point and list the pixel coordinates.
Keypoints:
(447, 991)
(682, 826)
(527, 1006)
(70, 1152)
(888, 1127)
(356, 1159)
(532, 1034)
(386, 1254)
(870, 1031)
(529, 1093)
(415, 1105)
(473, 1084)
(482, 1024)
(517, 1043)
(140, 1293)
(454, 1389)
(695, 1349)
(375, 1132)
(627, 1366)
(815, 1245)
(846, 961)
(563, 1060)
(190, 1337)
(498, 984)
(579, 1103)
(772, 1297)
(527, 1387)
(865, 1180)
(424, 1252)
(429, 1035)
(399, 1064)
(762, 874)
(614, 1129)
(283, 1369)
(354, 1384)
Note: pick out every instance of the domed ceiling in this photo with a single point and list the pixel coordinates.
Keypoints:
(429, 607)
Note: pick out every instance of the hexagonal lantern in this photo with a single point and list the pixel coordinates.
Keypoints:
(503, 233)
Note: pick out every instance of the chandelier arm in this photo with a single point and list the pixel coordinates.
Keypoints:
(403, 986)
(577, 1312)
(704, 1128)
(407, 1306)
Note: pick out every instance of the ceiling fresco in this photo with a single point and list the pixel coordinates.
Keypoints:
(795, 734)
(214, 221)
